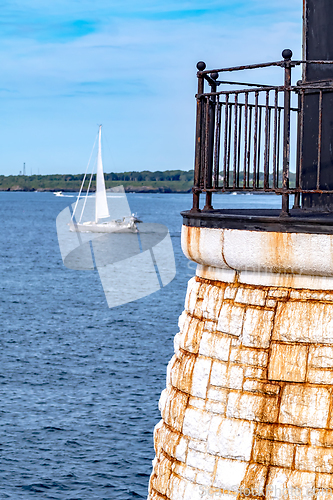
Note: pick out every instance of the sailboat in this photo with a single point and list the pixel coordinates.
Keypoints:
(124, 225)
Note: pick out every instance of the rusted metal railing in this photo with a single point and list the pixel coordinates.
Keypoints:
(243, 136)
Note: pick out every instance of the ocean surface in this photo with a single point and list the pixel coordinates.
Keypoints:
(79, 382)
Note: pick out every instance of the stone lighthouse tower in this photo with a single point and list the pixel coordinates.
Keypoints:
(248, 407)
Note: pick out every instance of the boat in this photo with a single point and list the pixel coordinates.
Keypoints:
(58, 193)
(126, 224)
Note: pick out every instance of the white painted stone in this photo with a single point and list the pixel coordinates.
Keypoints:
(251, 372)
(215, 273)
(304, 406)
(230, 474)
(276, 487)
(204, 246)
(229, 376)
(163, 400)
(181, 449)
(169, 369)
(215, 345)
(177, 342)
(230, 292)
(231, 319)
(204, 478)
(196, 423)
(230, 438)
(200, 377)
(182, 318)
(202, 461)
(196, 444)
(257, 328)
(324, 377)
(185, 471)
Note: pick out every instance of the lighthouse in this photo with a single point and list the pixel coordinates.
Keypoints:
(247, 411)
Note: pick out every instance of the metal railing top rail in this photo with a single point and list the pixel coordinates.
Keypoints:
(281, 64)
(256, 142)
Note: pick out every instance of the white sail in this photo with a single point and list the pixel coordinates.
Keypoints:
(101, 207)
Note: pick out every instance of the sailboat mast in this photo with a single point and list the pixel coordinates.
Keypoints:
(101, 207)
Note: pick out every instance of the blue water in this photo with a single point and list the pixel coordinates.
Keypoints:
(79, 382)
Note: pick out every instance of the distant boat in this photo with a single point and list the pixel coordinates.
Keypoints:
(58, 193)
(125, 225)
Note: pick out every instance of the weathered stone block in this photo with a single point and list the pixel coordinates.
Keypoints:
(321, 356)
(197, 445)
(202, 461)
(200, 377)
(212, 302)
(204, 478)
(231, 319)
(253, 296)
(229, 474)
(197, 403)
(254, 480)
(261, 387)
(180, 450)
(230, 438)
(245, 356)
(278, 292)
(282, 454)
(289, 434)
(215, 345)
(304, 406)
(324, 377)
(181, 372)
(224, 375)
(294, 322)
(161, 475)
(216, 407)
(230, 292)
(196, 423)
(174, 409)
(257, 328)
(176, 487)
(218, 394)
(314, 458)
(190, 340)
(287, 362)
(252, 407)
(257, 373)
(192, 294)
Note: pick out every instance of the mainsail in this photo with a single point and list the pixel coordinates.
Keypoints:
(101, 207)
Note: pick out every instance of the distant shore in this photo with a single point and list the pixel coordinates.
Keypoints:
(170, 181)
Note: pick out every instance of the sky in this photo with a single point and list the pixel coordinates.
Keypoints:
(130, 65)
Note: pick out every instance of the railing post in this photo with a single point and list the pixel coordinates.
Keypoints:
(198, 140)
(210, 146)
(286, 54)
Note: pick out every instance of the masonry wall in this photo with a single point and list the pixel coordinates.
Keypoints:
(247, 411)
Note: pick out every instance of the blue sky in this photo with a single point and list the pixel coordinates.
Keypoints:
(67, 66)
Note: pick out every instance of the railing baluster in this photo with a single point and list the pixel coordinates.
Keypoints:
(226, 119)
(249, 148)
(276, 97)
(235, 141)
(259, 147)
(240, 107)
(245, 184)
(278, 147)
(229, 143)
(217, 143)
(255, 140)
(267, 137)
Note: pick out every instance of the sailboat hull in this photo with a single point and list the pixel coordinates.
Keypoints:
(104, 227)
